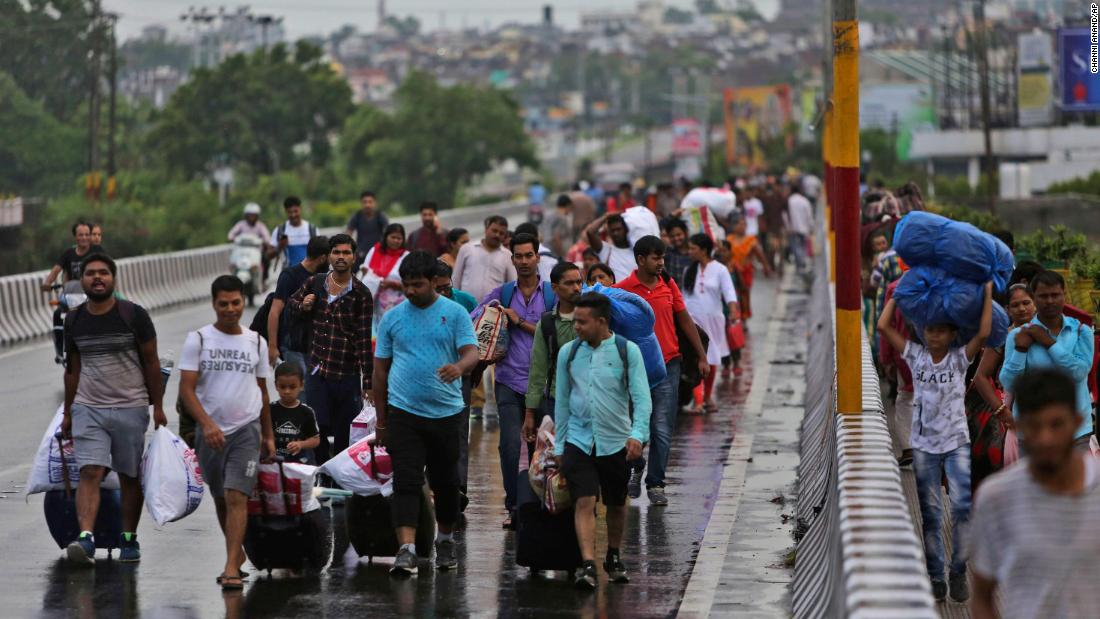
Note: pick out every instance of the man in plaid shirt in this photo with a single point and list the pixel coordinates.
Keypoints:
(340, 359)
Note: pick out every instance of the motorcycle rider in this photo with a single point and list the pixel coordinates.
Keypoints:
(68, 266)
(251, 224)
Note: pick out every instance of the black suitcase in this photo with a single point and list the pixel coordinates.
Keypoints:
(544, 541)
(295, 542)
(370, 524)
(60, 509)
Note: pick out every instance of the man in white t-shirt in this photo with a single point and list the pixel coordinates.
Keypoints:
(799, 222)
(292, 237)
(753, 208)
(618, 254)
(1033, 531)
(223, 384)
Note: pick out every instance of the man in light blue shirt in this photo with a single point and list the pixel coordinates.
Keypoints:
(1053, 340)
(601, 418)
(424, 346)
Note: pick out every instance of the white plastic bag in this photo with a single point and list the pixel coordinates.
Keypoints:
(355, 470)
(363, 424)
(46, 471)
(640, 221)
(271, 488)
(170, 478)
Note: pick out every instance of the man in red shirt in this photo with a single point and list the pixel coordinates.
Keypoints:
(622, 201)
(663, 295)
(431, 236)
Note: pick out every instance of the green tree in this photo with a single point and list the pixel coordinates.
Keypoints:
(46, 46)
(38, 153)
(437, 140)
(270, 110)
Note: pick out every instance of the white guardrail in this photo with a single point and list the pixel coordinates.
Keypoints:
(858, 554)
(162, 280)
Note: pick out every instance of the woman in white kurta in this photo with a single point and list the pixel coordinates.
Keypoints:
(707, 286)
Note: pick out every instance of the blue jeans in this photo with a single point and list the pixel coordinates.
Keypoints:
(662, 424)
(796, 243)
(930, 469)
(510, 408)
(336, 403)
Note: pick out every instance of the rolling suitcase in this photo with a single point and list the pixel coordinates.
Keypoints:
(295, 541)
(60, 509)
(544, 541)
(370, 524)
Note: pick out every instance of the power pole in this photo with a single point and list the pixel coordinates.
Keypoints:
(845, 159)
(987, 130)
(112, 118)
(93, 89)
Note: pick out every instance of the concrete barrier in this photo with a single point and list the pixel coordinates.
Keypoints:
(858, 554)
(162, 280)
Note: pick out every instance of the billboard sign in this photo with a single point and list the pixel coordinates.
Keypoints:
(687, 138)
(1034, 87)
(1080, 77)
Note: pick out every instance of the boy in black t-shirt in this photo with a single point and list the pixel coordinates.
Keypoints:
(295, 424)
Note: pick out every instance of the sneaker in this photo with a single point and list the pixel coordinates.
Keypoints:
(616, 571)
(657, 496)
(586, 577)
(906, 459)
(960, 590)
(634, 487)
(81, 551)
(406, 563)
(939, 590)
(445, 558)
(129, 551)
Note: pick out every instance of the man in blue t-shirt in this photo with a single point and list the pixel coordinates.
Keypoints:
(423, 349)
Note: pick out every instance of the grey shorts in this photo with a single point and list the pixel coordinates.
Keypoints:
(234, 467)
(110, 437)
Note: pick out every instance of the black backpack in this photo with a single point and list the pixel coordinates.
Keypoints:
(259, 321)
(300, 327)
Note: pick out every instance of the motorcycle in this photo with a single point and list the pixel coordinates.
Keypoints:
(246, 262)
(70, 295)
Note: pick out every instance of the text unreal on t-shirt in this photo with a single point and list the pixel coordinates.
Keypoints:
(228, 366)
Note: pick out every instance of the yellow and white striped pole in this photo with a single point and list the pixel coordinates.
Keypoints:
(845, 199)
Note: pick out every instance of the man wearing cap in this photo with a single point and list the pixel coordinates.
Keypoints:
(251, 224)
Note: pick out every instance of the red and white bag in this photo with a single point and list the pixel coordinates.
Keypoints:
(291, 496)
(362, 468)
(363, 424)
(491, 329)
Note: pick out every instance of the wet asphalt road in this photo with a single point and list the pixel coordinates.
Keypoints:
(176, 575)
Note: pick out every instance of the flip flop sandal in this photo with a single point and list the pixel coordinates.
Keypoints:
(221, 577)
(231, 583)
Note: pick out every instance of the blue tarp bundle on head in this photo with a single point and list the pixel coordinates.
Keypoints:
(959, 249)
(930, 296)
(632, 318)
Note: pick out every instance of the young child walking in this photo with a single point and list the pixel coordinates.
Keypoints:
(294, 423)
(940, 438)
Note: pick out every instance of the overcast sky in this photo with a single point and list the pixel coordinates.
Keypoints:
(306, 17)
